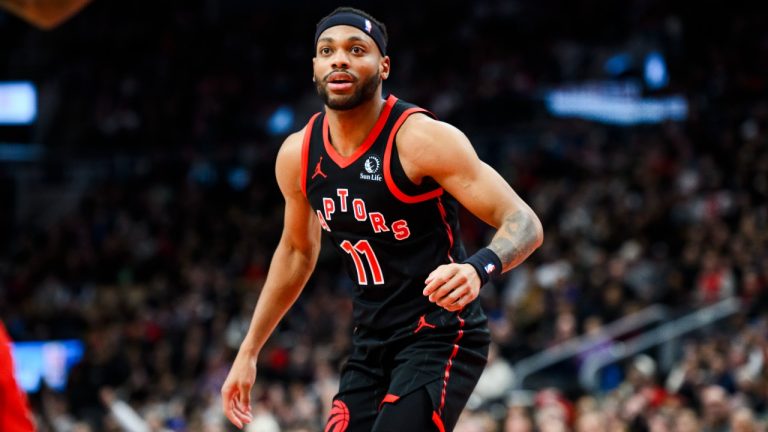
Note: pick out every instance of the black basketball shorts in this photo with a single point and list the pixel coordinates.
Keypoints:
(414, 379)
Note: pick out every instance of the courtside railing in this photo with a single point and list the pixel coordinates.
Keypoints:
(663, 334)
(581, 345)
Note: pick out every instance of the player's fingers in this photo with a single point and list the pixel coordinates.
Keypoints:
(435, 282)
(432, 278)
(461, 301)
(432, 274)
(432, 286)
(229, 411)
(226, 397)
(243, 417)
(453, 307)
(447, 288)
(245, 398)
(455, 295)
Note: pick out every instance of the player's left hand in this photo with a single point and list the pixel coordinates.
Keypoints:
(452, 286)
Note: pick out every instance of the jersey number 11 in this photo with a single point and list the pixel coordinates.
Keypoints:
(363, 247)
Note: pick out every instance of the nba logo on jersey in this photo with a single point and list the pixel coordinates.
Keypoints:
(489, 268)
(368, 26)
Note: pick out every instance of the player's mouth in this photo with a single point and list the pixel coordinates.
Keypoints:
(340, 81)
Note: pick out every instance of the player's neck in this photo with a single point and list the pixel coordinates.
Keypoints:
(348, 129)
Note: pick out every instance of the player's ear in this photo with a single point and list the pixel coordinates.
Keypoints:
(384, 67)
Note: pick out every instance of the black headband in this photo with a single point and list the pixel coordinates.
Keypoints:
(354, 20)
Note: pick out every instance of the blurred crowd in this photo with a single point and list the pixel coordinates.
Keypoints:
(718, 384)
(159, 264)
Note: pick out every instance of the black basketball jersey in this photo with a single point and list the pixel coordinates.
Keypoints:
(391, 232)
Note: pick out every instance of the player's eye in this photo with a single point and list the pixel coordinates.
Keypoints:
(357, 50)
(325, 51)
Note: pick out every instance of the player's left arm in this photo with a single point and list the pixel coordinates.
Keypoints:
(429, 148)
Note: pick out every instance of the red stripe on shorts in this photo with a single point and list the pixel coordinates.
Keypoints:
(447, 374)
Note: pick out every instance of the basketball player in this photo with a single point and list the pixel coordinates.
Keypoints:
(382, 179)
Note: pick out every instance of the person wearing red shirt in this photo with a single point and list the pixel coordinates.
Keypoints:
(15, 415)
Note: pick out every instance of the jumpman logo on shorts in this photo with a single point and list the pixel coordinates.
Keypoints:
(423, 323)
(318, 170)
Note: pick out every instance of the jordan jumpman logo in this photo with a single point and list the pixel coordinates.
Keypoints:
(423, 323)
(318, 170)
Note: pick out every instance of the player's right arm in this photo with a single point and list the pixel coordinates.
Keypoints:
(291, 266)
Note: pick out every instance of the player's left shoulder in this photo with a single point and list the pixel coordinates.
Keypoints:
(426, 142)
(422, 129)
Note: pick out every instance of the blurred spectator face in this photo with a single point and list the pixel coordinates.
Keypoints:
(743, 420)
(81, 427)
(586, 404)
(566, 326)
(751, 285)
(592, 421)
(686, 421)
(593, 325)
(635, 406)
(658, 423)
(550, 403)
(551, 418)
(642, 370)
(613, 296)
(518, 420)
(476, 422)
(715, 403)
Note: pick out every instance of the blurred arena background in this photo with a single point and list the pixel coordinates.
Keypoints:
(138, 207)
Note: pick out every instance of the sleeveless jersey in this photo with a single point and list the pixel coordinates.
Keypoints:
(390, 232)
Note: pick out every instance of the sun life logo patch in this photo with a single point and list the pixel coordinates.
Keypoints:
(372, 168)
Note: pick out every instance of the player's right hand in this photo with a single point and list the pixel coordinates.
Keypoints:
(236, 391)
(452, 286)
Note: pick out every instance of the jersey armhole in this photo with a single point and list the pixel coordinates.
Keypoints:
(305, 153)
(388, 178)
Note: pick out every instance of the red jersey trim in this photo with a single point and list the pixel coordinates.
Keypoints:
(305, 153)
(399, 194)
(448, 229)
(343, 161)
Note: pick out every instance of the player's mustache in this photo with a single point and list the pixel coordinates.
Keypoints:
(341, 71)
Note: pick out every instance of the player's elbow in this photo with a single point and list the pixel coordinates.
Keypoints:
(308, 255)
(533, 229)
(304, 254)
(538, 231)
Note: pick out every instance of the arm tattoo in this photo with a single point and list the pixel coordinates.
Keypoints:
(516, 238)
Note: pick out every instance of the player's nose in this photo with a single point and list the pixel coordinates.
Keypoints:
(340, 60)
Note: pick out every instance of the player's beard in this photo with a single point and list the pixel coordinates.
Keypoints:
(364, 92)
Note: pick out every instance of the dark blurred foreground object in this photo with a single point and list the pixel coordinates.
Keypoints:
(44, 14)
(14, 413)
